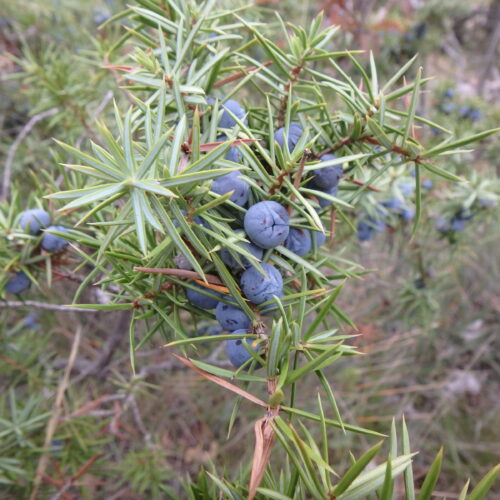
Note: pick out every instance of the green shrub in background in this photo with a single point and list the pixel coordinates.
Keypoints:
(152, 230)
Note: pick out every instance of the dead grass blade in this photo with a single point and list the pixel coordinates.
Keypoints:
(222, 382)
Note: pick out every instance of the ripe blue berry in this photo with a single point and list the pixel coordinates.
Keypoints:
(448, 107)
(406, 188)
(326, 178)
(209, 330)
(419, 283)
(227, 121)
(31, 321)
(392, 204)
(236, 350)
(475, 115)
(457, 224)
(201, 300)
(17, 284)
(449, 93)
(464, 111)
(34, 220)
(232, 182)
(231, 317)
(407, 213)
(443, 225)
(486, 203)
(53, 243)
(378, 224)
(243, 262)
(365, 231)
(323, 202)
(320, 238)
(259, 288)
(267, 224)
(294, 133)
(368, 226)
(233, 154)
(299, 241)
(181, 262)
(100, 16)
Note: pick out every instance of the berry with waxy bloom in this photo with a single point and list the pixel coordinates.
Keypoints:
(259, 288)
(237, 352)
(267, 224)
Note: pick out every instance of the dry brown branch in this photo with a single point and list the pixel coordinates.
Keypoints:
(240, 74)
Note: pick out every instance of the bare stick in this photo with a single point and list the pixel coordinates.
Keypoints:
(110, 347)
(15, 145)
(102, 104)
(42, 305)
(298, 176)
(240, 74)
(96, 113)
(489, 59)
(132, 403)
(181, 273)
(56, 412)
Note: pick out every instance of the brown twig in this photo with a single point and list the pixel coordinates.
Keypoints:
(113, 69)
(79, 473)
(361, 183)
(298, 176)
(346, 141)
(284, 103)
(300, 171)
(91, 406)
(338, 145)
(180, 273)
(68, 276)
(240, 74)
(204, 148)
(279, 182)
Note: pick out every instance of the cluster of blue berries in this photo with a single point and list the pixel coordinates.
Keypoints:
(455, 223)
(368, 226)
(400, 208)
(323, 179)
(449, 106)
(233, 181)
(407, 45)
(448, 226)
(35, 221)
(100, 16)
(266, 225)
